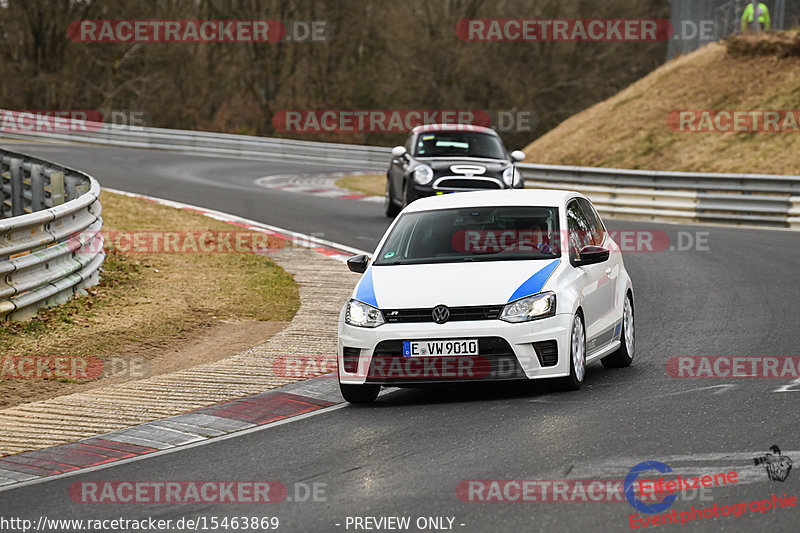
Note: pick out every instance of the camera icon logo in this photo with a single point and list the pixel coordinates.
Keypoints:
(777, 465)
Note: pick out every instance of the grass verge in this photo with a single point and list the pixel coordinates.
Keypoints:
(631, 130)
(372, 184)
(148, 305)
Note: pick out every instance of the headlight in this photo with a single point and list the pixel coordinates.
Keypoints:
(511, 176)
(534, 307)
(423, 174)
(362, 315)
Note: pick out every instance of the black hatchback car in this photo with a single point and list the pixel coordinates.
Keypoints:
(446, 158)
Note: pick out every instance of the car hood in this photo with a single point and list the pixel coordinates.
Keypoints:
(453, 284)
(442, 165)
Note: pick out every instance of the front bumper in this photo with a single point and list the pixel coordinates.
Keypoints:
(506, 351)
(437, 186)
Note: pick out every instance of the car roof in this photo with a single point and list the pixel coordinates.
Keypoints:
(510, 197)
(425, 128)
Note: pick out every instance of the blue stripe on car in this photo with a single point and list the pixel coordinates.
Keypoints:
(365, 292)
(533, 285)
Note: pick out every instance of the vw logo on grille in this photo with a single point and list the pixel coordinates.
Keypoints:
(440, 314)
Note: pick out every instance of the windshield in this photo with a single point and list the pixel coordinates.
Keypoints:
(472, 234)
(459, 143)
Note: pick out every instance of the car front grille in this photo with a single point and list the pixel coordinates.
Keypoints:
(457, 314)
(466, 184)
(496, 362)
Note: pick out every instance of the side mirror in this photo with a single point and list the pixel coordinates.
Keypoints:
(358, 263)
(590, 255)
(518, 155)
(398, 151)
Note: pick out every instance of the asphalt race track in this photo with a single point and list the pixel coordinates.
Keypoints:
(405, 456)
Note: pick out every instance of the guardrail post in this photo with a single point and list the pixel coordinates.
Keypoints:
(2, 192)
(37, 188)
(17, 191)
(794, 212)
(70, 187)
(56, 188)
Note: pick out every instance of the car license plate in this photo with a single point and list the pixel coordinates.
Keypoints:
(440, 348)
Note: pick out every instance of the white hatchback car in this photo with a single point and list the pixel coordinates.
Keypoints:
(487, 286)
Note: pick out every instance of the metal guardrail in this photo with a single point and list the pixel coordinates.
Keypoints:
(748, 199)
(50, 241)
(751, 199)
(220, 144)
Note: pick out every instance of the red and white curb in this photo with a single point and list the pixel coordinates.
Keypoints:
(337, 251)
(318, 184)
(161, 436)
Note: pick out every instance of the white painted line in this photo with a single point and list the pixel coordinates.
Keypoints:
(317, 184)
(123, 437)
(195, 431)
(788, 386)
(720, 389)
(15, 476)
(694, 457)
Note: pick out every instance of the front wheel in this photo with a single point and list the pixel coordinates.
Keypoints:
(577, 355)
(624, 355)
(359, 393)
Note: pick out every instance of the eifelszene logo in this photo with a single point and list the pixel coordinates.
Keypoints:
(630, 488)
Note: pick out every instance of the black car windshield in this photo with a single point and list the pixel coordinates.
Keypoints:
(459, 144)
(472, 234)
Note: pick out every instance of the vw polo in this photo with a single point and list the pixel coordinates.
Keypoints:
(487, 286)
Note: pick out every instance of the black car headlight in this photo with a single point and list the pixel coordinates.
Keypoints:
(542, 305)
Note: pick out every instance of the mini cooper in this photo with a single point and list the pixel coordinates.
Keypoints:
(444, 158)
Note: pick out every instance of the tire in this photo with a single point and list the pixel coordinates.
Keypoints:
(624, 355)
(359, 393)
(577, 355)
(390, 208)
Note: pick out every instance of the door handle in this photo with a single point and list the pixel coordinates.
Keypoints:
(608, 270)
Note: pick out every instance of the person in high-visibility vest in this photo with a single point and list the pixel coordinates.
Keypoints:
(761, 14)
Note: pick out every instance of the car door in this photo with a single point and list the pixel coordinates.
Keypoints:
(589, 277)
(609, 281)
